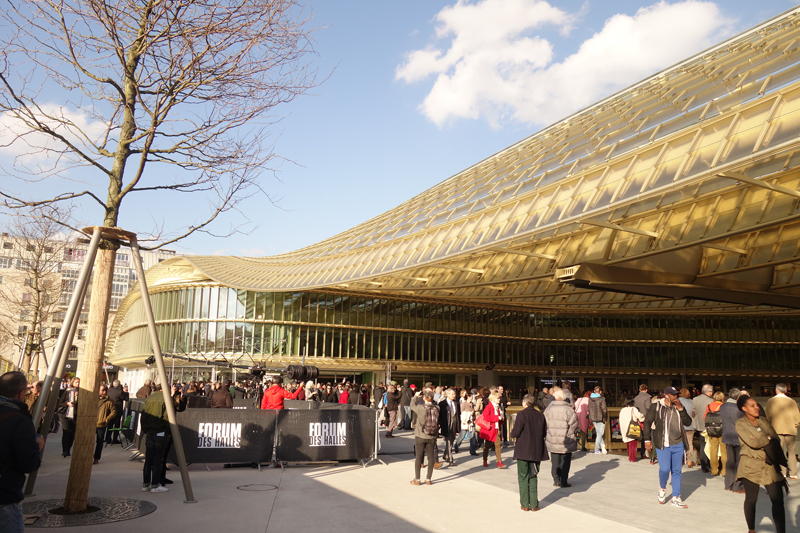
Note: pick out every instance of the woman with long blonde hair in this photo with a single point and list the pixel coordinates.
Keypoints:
(491, 415)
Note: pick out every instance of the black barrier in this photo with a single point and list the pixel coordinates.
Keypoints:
(135, 434)
(197, 402)
(249, 403)
(226, 435)
(309, 435)
(302, 404)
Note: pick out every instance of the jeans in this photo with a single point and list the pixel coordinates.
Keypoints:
(465, 434)
(155, 448)
(731, 483)
(100, 439)
(11, 518)
(775, 492)
(670, 459)
(421, 448)
(528, 483)
(560, 467)
(406, 414)
(600, 436)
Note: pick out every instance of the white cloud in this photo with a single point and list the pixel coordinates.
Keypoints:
(37, 152)
(495, 68)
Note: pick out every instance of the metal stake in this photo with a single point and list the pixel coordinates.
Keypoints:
(162, 373)
(52, 381)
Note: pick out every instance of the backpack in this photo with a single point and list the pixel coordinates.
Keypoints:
(714, 424)
(431, 426)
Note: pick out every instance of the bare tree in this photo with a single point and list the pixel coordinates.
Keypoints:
(155, 97)
(33, 248)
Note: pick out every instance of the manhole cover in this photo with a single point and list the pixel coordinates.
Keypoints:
(108, 510)
(257, 487)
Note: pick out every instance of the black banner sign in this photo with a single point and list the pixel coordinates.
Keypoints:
(325, 434)
(227, 435)
(249, 403)
(302, 404)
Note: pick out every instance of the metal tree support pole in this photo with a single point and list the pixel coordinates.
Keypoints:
(52, 381)
(74, 308)
(162, 373)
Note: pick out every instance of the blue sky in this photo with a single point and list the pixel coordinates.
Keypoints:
(419, 90)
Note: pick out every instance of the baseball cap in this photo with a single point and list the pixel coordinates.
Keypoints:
(671, 390)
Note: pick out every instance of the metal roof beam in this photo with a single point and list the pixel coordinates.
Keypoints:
(760, 183)
(520, 252)
(618, 227)
(462, 269)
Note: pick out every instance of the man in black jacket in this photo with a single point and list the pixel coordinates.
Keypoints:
(669, 438)
(730, 438)
(449, 424)
(404, 416)
(392, 403)
(19, 449)
(116, 395)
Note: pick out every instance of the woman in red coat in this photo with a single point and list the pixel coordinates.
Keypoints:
(344, 397)
(491, 414)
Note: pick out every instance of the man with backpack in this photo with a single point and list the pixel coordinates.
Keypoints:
(426, 431)
(712, 420)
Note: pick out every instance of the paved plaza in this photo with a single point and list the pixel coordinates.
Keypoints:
(608, 494)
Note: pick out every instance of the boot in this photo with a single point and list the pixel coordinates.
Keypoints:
(389, 435)
(485, 463)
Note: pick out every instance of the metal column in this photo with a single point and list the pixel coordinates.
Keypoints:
(162, 373)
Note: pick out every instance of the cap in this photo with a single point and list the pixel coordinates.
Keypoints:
(671, 390)
(413, 386)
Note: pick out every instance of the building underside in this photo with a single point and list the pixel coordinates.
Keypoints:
(654, 232)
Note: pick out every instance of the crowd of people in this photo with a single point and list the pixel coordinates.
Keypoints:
(731, 435)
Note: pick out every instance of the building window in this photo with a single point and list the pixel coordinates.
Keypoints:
(29, 282)
(74, 254)
(59, 316)
(54, 332)
(30, 248)
(1, 279)
(27, 297)
(81, 334)
(25, 314)
(48, 249)
(22, 330)
(6, 262)
(8, 246)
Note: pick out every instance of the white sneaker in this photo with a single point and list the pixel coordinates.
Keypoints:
(677, 502)
(160, 488)
(662, 496)
(605, 452)
(145, 487)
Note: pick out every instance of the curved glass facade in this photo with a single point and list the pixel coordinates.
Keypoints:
(356, 331)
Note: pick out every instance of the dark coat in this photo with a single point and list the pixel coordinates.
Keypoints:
(406, 394)
(355, 397)
(330, 397)
(143, 392)
(221, 399)
(19, 451)
(530, 429)
(118, 396)
(730, 414)
(392, 400)
(449, 423)
(597, 409)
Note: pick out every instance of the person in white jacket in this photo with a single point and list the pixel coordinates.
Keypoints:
(627, 413)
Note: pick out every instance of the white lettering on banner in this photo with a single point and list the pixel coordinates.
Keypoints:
(327, 434)
(223, 435)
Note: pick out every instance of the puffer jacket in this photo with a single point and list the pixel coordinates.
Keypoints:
(597, 409)
(562, 423)
(105, 411)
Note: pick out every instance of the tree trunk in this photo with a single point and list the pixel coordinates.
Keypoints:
(89, 370)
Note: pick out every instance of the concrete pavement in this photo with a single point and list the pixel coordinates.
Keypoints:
(608, 494)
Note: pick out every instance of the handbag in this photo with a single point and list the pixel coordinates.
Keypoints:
(634, 430)
(482, 423)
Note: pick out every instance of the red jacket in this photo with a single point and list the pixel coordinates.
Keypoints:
(274, 396)
(344, 397)
(490, 416)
